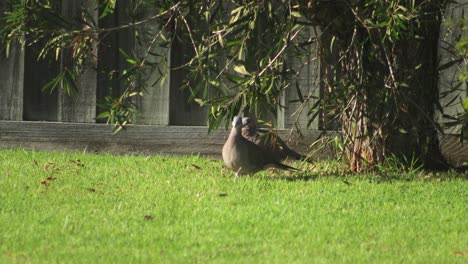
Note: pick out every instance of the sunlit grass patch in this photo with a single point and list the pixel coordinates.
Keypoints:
(74, 207)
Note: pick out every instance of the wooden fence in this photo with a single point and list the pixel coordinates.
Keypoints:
(166, 122)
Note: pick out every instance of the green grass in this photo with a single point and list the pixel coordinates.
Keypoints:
(89, 208)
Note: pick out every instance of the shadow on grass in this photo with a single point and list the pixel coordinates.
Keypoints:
(308, 177)
(348, 178)
(419, 176)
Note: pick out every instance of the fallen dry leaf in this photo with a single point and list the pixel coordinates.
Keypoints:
(148, 217)
(461, 253)
(196, 167)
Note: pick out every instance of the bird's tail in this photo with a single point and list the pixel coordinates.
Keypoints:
(284, 167)
(291, 153)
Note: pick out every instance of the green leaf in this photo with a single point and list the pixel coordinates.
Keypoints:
(462, 45)
(200, 101)
(332, 44)
(465, 104)
(220, 40)
(241, 69)
(449, 64)
(463, 76)
(235, 79)
(299, 92)
(7, 50)
(103, 115)
(132, 61)
(296, 14)
(109, 7)
(214, 83)
(135, 94)
(233, 43)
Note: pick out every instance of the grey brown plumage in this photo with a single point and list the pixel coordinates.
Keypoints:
(269, 140)
(244, 157)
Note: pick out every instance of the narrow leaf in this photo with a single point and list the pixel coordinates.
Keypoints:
(241, 69)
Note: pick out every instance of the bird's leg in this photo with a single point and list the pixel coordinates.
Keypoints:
(237, 172)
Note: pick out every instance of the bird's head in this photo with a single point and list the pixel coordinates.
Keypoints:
(236, 122)
(247, 121)
(249, 126)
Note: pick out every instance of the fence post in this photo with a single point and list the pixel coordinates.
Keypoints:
(11, 80)
(80, 107)
(11, 83)
(450, 34)
(308, 81)
(153, 106)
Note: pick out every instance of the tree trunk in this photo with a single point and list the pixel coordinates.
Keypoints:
(385, 90)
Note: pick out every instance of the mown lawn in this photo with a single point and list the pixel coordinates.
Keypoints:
(87, 208)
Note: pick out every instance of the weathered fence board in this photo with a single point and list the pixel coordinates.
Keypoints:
(181, 110)
(11, 83)
(11, 79)
(154, 105)
(452, 32)
(141, 139)
(307, 69)
(138, 139)
(38, 105)
(108, 83)
(80, 107)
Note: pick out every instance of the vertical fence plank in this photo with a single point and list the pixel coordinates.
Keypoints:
(182, 110)
(451, 32)
(38, 105)
(80, 107)
(11, 80)
(154, 105)
(455, 152)
(12, 83)
(108, 65)
(308, 82)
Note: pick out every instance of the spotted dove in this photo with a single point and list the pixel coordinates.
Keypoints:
(244, 157)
